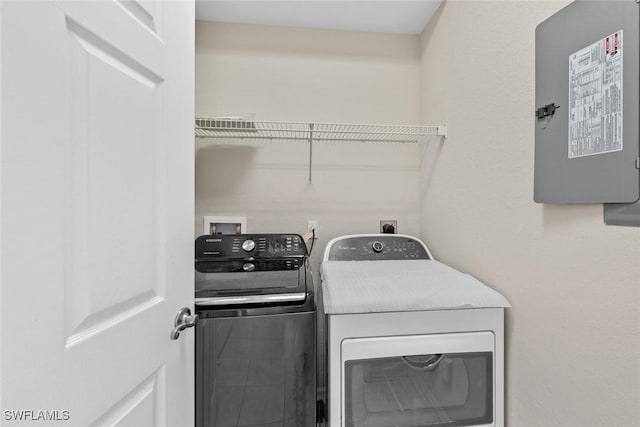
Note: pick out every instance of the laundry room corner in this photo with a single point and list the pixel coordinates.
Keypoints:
(573, 282)
(275, 73)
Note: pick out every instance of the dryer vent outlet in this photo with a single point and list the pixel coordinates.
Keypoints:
(388, 226)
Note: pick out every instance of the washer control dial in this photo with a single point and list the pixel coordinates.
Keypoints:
(248, 245)
(377, 246)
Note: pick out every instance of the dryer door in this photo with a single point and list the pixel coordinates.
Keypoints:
(420, 380)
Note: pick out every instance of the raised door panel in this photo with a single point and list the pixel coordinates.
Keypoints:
(114, 180)
(142, 406)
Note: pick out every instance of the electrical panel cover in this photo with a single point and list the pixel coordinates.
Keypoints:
(587, 139)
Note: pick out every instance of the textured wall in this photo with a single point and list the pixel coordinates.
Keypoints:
(573, 334)
(293, 74)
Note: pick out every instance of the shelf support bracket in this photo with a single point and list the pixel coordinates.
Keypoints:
(310, 151)
(442, 130)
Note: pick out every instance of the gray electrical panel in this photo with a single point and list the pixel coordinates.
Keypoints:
(622, 214)
(587, 138)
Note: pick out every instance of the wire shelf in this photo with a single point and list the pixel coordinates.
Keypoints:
(242, 129)
(236, 128)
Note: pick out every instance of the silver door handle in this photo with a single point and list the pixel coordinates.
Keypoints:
(184, 320)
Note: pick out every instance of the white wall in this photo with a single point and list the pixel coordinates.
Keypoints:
(573, 334)
(293, 74)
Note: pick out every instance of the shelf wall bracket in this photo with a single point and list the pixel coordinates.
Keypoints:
(442, 131)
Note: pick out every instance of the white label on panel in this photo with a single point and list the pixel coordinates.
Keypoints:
(595, 98)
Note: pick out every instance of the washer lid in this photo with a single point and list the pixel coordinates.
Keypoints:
(406, 285)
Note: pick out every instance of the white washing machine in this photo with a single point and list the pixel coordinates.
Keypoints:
(411, 341)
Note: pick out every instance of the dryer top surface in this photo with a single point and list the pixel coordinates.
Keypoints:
(401, 285)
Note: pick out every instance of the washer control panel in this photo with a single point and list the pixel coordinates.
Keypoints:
(243, 246)
(376, 247)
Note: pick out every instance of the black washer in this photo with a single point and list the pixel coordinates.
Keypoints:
(256, 337)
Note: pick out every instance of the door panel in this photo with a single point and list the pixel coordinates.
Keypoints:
(142, 406)
(419, 380)
(131, 139)
(149, 14)
(453, 389)
(256, 371)
(97, 210)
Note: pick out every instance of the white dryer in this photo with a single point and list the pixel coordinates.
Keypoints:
(411, 341)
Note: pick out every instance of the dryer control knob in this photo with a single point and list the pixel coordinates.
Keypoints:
(248, 245)
(377, 247)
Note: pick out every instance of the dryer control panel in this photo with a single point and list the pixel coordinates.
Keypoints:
(376, 247)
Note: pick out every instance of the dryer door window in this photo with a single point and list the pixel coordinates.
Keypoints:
(427, 388)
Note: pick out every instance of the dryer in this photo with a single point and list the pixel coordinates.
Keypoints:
(411, 341)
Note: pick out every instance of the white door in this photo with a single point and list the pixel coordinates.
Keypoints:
(96, 157)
